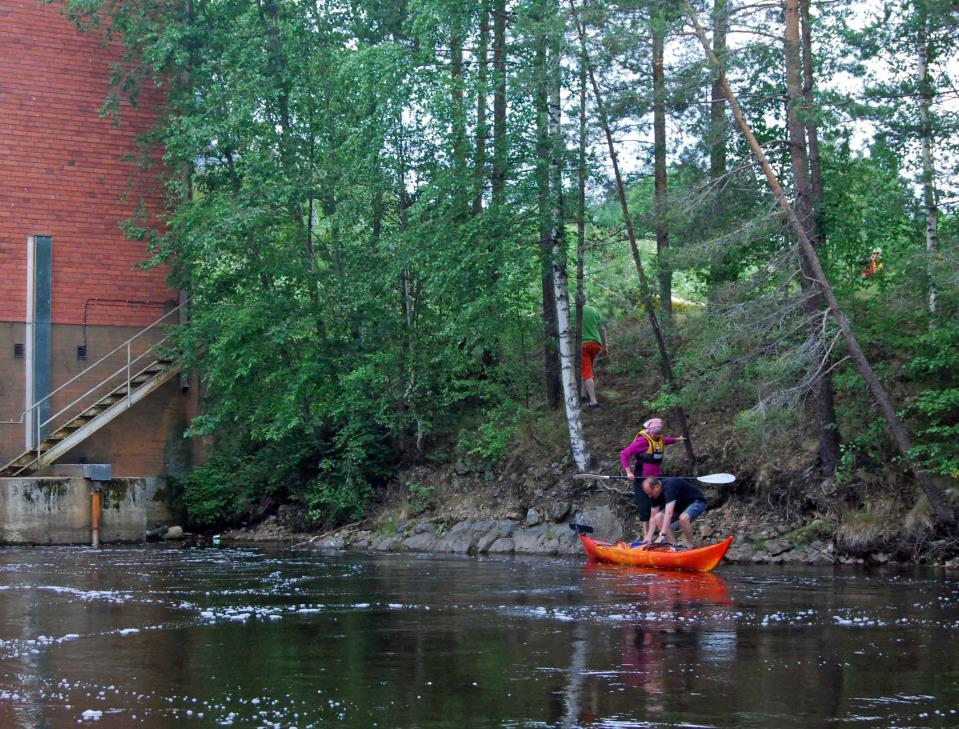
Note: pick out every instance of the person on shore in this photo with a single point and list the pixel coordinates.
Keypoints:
(595, 344)
(874, 265)
(673, 500)
(647, 448)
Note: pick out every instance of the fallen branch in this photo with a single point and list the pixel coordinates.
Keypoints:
(330, 533)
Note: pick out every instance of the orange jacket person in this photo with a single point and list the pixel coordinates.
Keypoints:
(594, 344)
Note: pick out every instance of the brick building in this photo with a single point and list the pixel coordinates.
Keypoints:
(72, 291)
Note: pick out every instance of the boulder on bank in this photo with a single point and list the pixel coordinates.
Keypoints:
(605, 522)
(463, 537)
(419, 542)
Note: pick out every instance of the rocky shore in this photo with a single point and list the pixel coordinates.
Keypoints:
(544, 530)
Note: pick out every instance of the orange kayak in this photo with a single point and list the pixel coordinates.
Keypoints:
(701, 559)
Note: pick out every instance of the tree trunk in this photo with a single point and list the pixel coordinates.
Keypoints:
(567, 353)
(482, 61)
(718, 125)
(718, 132)
(812, 125)
(551, 370)
(644, 288)
(813, 302)
(498, 182)
(936, 496)
(458, 117)
(581, 221)
(929, 193)
(404, 202)
(659, 155)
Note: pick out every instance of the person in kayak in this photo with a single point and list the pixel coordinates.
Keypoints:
(673, 500)
(647, 448)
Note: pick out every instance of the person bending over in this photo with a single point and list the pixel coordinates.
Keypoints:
(673, 500)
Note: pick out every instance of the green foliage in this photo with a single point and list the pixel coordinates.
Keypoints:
(663, 402)
(366, 286)
(421, 498)
(211, 494)
(869, 207)
(344, 476)
(816, 530)
(937, 408)
(490, 440)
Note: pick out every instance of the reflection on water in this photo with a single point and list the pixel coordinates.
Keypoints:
(163, 637)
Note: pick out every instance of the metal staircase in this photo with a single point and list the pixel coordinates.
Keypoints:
(145, 364)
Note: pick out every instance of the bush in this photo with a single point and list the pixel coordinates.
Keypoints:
(421, 498)
(490, 441)
(213, 493)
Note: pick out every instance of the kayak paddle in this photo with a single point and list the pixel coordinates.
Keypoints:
(712, 478)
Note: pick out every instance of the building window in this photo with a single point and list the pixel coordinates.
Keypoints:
(18, 350)
(82, 352)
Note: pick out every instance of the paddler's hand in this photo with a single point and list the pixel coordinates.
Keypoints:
(630, 474)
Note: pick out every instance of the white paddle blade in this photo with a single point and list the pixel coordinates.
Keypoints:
(592, 476)
(716, 478)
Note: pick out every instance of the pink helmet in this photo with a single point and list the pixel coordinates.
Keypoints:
(653, 423)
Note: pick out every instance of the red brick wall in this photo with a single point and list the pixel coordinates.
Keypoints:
(63, 172)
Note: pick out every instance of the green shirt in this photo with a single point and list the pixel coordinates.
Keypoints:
(592, 323)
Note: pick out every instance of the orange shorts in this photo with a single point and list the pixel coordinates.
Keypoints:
(590, 350)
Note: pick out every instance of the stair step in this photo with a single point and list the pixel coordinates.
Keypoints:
(160, 368)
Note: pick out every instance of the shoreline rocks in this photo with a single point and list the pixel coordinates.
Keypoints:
(544, 530)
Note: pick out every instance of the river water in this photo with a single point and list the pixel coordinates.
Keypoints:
(168, 637)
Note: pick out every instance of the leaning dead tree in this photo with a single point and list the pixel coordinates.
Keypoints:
(935, 495)
(644, 289)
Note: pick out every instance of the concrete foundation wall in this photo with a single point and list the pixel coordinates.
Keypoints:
(57, 510)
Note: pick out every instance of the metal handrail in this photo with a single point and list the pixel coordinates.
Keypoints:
(126, 344)
(131, 361)
(106, 379)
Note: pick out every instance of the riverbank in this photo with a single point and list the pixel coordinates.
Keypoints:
(468, 526)
(779, 509)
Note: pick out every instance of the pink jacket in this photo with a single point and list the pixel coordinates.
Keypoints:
(641, 445)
